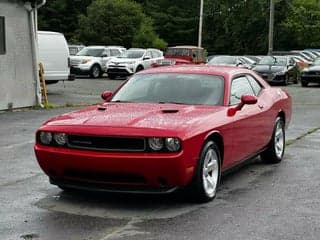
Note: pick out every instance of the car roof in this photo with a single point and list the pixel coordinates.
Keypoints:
(198, 69)
(186, 46)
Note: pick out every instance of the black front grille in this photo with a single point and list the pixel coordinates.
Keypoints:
(117, 70)
(104, 177)
(107, 143)
(313, 73)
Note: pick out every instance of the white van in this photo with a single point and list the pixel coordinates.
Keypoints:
(54, 55)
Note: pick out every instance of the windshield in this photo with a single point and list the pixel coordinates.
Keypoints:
(94, 52)
(316, 62)
(132, 54)
(178, 52)
(223, 60)
(271, 60)
(176, 88)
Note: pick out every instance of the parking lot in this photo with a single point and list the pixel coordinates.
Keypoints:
(257, 201)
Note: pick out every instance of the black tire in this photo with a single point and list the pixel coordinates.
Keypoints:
(297, 79)
(139, 68)
(95, 71)
(66, 189)
(198, 189)
(304, 83)
(275, 149)
(286, 80)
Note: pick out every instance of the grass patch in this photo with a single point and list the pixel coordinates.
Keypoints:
(290, 142)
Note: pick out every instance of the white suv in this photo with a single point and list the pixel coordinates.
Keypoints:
(133, 60)
(92, 60)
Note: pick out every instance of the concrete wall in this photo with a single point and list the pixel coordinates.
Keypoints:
(17, 78)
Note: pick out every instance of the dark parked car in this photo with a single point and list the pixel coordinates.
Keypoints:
(226, 60)
(278, 69)
(311, 74)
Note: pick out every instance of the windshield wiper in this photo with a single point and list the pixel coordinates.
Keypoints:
(163, 102)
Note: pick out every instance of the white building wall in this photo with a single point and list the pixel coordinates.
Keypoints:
(17, 77)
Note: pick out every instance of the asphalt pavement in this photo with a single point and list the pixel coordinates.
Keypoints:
(256, 202)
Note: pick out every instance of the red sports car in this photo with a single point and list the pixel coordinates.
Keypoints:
(167, 128)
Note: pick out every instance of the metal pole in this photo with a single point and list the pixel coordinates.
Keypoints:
(271, 24)
(200, 24)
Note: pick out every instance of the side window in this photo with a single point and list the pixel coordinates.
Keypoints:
(148, 54)
(2, 36)
(291, 61)
(106, 53)
(155, 54)
(254, 84)
(114, 52)
(240, 86)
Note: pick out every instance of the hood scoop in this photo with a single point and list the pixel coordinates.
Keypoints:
(170, 111)
(101, 108)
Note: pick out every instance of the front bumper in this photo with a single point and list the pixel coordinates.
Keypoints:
(114, 171)
(79, 71)
(272, 77)
(121, 70)
(311, 77)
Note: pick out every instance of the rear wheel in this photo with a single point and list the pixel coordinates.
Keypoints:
(95, 71)
(207, 177)
(275, 150)
(139, 68)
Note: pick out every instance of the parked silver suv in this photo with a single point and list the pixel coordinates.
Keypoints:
(133, 60)
(92, 60)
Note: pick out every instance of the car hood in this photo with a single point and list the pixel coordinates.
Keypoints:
(124, 60)
(82, 57)
(312, 68)
(269, 68)
(164, 117)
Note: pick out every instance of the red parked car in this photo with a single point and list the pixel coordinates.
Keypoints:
(167, 128)
(179, 55)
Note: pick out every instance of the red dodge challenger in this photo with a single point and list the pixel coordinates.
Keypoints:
(167, 128)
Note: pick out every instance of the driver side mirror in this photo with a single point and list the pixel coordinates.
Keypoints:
(106, 95)
(146, 58)
(246, 99)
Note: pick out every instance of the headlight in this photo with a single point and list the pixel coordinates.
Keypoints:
(45, 138)
(85, 61)
(60, 138)
(155, 143)
(281, 73)
(172, 144)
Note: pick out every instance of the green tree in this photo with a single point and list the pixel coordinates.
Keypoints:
(117, 22)
(301, 27)
(62, 16)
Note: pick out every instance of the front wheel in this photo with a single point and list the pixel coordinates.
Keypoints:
(207, 177)
(275, 149)
(286, 80)
(304, 83)
(95, 71)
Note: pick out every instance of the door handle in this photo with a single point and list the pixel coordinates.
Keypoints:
(260, 106)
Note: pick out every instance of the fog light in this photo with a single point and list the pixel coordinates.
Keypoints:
(172, 144)
(155, 143)
(45, 138)
(60, 138)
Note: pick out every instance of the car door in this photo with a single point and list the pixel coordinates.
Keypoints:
(105, 57)
(247, 122)
(147, 59)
